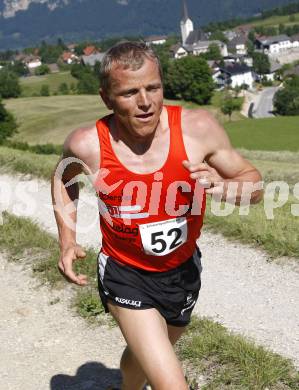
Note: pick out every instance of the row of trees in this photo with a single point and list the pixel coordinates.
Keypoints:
(286, 100)
(280, 29)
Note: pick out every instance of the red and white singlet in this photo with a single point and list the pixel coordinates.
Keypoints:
(149, 221)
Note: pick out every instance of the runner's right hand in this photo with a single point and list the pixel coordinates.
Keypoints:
(65, 264)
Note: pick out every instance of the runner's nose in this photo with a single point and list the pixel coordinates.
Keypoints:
(143, 100)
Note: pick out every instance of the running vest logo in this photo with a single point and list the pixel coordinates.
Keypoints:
(126, 212)
(119, 198)
(125, 229)
(128, 302)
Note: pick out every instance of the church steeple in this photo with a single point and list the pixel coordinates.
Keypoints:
(185, 11)
(186, 23)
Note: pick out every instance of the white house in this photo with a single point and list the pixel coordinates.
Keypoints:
(237, 45)
(178, 51)
(33, 63)
(234, 75)
(155, 39)
(92, 59)
(274, 67)
(275, 44)
(295, 40)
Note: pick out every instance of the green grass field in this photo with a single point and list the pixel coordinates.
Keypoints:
(274, 21)
(52, 118)
(276, 134)
(31, 85)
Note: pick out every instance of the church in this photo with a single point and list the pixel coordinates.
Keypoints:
(194, 41)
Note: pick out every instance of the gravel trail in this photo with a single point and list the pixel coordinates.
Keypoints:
(44, 345)
(240, 289)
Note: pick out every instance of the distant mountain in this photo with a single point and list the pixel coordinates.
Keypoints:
(27, 22)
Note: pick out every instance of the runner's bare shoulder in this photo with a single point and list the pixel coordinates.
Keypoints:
(201, 125)
(83, 144)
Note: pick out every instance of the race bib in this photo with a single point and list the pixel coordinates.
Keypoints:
(163, 237)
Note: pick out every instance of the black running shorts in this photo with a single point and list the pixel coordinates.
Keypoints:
(173, 293)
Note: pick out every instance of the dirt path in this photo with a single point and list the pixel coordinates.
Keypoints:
(44, 345)
(240, 289)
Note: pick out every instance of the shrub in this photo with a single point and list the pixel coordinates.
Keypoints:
(45, 90)
(8, 126)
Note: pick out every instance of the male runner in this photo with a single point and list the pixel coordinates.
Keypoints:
(155, 161)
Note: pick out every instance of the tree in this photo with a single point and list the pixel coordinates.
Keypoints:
(213, 52)
(218, 36)
(281, 28)
(63, 89)
(189, 78)
(50, 53)
(261, 63)
(250, 47)
(229, 105)
(42, 70)
(9, 84)
(45, 90)
(286, 100)
(19, 68)
(251, 36)
(88, 85)
(8, 126)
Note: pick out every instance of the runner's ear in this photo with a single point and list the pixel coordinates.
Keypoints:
(106, 99)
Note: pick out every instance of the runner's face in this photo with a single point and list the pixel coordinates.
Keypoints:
(136, 97)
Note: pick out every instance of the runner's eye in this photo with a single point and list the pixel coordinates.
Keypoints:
(129, 93)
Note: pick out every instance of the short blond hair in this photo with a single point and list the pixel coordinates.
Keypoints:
(129, 55)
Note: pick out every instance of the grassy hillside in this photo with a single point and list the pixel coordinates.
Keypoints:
(281, 133)
(276, 20)
(52, 118)
(32, 85)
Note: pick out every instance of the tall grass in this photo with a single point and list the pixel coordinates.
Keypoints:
(231, 362)
(41, 166)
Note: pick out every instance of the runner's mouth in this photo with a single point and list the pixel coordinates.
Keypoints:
(144, 116)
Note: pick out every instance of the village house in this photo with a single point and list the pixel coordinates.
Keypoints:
(275, 66)
(295, 40)
(234, 75)
(32, 62)
(177, 51)
(90, 50)
(71, 47)
(238, 58)
(92, 59)
(237, 45)
(274, 45)
(155, 40)
(69, 58)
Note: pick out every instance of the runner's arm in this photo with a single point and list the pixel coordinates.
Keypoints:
(65, 195)
(223, 167)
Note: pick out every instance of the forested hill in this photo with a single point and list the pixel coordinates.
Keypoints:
(22, 24)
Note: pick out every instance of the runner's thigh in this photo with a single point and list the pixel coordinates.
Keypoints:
(146, 334)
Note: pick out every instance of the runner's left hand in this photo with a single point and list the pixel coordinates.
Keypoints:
(207, 176)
